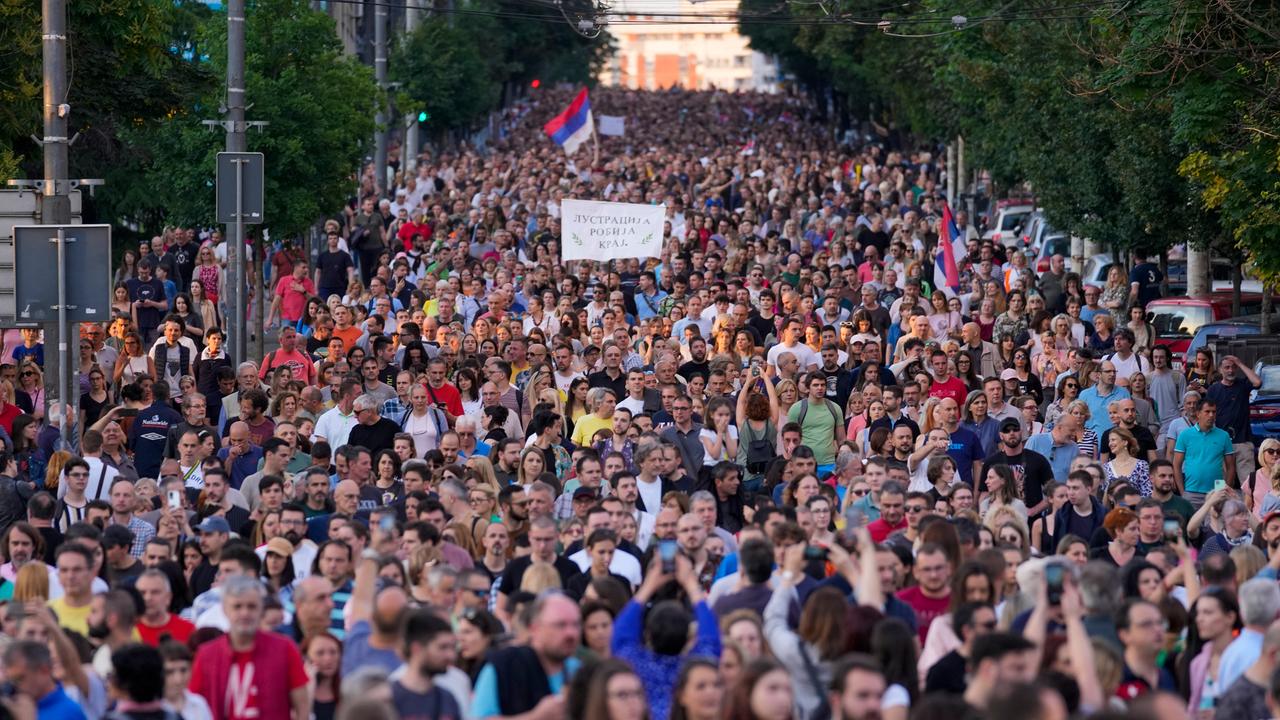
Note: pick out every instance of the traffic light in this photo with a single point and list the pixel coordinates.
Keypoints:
(424, 116)
(535, 84)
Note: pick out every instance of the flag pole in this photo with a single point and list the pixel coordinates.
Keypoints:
(595, 143)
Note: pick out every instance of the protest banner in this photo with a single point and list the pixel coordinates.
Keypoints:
(609, 231)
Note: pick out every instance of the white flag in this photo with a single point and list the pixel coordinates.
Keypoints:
(612, 125)
(607, 231)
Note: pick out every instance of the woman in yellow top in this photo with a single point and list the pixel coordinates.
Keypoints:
(601, 402)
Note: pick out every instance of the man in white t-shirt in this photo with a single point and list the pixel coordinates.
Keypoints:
(792, 331)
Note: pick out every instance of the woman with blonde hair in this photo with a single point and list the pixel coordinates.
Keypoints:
(32, 583)
(53, 472)
(485, 476)
(1265, 480)
(540, 576)
(459, 534)
(538, 381)
(787, 394)
(31, 381)
(1087, 439)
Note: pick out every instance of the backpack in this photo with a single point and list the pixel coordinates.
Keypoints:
(759, 451)
(804, 410)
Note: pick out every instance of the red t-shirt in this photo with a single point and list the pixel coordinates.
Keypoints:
(248, 677)
(952, 388)
(448, 395)
(293, 302)
(927, 608)
(175, 627)
(301, 367)
(880, 530)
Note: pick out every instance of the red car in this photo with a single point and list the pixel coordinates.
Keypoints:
(1176, 319)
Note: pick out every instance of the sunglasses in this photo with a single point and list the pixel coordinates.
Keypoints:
(28, 373)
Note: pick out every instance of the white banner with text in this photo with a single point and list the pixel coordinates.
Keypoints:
(610, 231)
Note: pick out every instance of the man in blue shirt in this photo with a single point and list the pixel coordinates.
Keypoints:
(1203, 456)
(520, 678)
(1232, 395)
(1100, 396)
(28, 666)
(648, 296)
(1058, 446)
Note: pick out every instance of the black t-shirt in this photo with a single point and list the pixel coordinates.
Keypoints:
(1148, 277)
(947, 675)
(184, 257)
(378, 436)
(152, 291)
(764, 328)
(1030, 472)
(333, 268)
(1140, 433)
(691, 368)
(514, 573)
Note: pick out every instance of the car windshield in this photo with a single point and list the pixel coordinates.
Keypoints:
(1179, 320)
(1013, 220)
(1058, 245)
(1270, 375)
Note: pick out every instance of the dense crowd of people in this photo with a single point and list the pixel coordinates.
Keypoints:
(775, 473)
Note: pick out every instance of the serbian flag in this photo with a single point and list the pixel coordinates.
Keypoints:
(951, 246)
(572, 127)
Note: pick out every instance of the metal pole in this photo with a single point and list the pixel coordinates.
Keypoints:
(953, 177)
(63, 331)
(380, 75)
(239, 230)
(236, 327)
(960, 171)
(56, 206)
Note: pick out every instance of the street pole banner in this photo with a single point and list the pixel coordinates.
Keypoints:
(615, 125)
(610, 231)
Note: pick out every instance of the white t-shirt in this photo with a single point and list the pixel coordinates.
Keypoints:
(708, 434)
(651, 494)
(807, 357)
(623, 563)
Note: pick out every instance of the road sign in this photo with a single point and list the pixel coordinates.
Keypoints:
(88, 273)
(248, 183)
(19, 207)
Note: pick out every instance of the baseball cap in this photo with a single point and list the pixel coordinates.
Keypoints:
(1009, 423)
(584, 492)
(280, 546)
(1009, 374)
(214, 523)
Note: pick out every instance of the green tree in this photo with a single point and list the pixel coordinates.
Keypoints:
(319, 106)
(126, 70)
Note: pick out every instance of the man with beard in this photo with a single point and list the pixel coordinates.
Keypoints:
(532, 678)
(857, 685)
(1030, 469)
(373, 615)
(429, 649)
(111, 619)
(1164, 491)
(999, 661)
(249, 672)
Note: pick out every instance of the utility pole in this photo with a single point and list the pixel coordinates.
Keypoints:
(380, 75)
(237, 327)
(56, 208)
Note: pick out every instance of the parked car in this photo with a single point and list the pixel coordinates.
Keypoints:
(1177, 319)
(1008, 225)
(1055, 243)
(1242, 326)
(1264, 405)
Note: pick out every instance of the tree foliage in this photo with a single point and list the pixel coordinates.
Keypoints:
(460, 67)
(126, 70)
(319, 107)
(1139, 124)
